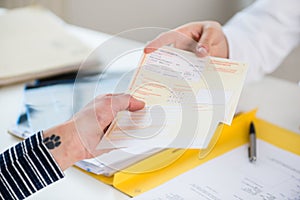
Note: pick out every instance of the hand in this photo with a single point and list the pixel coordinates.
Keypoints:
(203, 38)
(78, 138)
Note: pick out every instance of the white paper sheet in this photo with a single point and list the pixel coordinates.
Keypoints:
(275, 176)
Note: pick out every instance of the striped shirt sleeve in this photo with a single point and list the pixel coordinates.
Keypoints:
(27, 168)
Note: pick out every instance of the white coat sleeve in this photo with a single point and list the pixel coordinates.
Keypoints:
(263, 34)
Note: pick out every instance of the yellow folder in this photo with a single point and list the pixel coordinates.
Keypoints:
(167, 164)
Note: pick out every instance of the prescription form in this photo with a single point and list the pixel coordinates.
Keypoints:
(186, 98)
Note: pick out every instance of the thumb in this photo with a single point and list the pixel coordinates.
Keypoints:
(202, 50)
(204, 45)
(126, 102)
(135, 104)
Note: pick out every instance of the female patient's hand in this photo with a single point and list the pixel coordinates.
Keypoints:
(203, 38)
(78, 138)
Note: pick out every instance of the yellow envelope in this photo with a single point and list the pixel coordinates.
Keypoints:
(170, 163)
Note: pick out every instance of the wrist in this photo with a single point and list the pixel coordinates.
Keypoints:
(64, 144)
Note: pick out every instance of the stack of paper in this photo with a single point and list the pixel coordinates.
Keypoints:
(186, 98)
(117, 160)
(35, 44)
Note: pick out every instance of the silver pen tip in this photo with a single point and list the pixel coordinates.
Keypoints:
(252, 159)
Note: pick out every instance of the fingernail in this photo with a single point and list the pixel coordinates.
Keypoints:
(143, 103)
(149, 50)
(202, 51)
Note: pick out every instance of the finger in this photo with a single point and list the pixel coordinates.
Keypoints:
(202, 51)
(163, 39)
(126, 102)
(186, 44)
(207, 38)
(135, 104)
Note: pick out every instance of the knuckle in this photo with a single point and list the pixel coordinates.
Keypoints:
(213, 24)
(210, 29)
(107, 96)
(107, 102)
(213, 27)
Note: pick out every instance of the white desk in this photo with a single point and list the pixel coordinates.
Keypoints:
(278, 101)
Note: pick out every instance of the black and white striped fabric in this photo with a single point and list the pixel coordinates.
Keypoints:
(27, 168)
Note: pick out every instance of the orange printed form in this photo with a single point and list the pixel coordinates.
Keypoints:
(186, 99)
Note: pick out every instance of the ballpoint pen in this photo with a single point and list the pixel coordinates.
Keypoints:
(252, 141)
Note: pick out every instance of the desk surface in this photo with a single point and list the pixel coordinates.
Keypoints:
(277, 101)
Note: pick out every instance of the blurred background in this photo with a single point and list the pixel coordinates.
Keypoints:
(115, 16)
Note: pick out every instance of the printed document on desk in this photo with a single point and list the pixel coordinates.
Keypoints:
(186, 98)
(276, 175)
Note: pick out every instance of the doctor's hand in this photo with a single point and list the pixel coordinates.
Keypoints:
(77, 139)
(203, 38)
